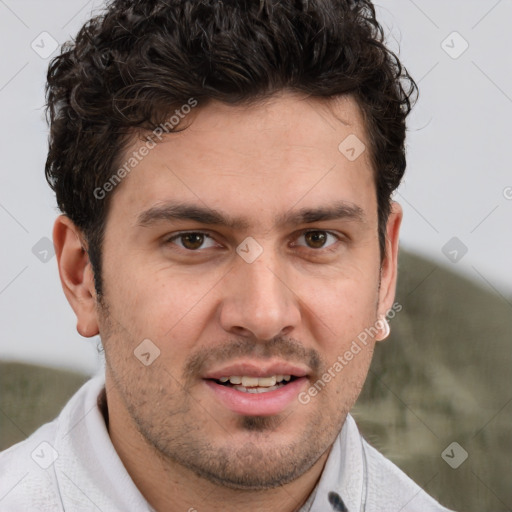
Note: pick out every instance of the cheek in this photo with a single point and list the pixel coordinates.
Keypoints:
(343, 305)
(340, 314)
(158, 300)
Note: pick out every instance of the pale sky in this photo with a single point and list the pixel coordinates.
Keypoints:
(458, 183)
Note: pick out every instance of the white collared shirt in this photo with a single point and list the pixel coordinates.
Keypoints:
(70, 465)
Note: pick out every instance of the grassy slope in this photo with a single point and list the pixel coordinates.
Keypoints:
(442, 376)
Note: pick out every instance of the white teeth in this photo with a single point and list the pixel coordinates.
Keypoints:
(250, 382)
(255, 382)
(267, 382)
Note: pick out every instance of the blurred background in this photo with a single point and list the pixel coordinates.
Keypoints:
(438, 401)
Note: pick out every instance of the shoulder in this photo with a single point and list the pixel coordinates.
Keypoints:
(388, 486)
(28, 480)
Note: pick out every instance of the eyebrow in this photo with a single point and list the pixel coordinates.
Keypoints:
(171, 211)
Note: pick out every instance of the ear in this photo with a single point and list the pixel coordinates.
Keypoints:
(76, 274)
(390, 261)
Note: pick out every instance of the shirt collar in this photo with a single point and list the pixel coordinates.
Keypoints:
(342, 484)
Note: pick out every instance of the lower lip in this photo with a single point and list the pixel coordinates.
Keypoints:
(258, 404)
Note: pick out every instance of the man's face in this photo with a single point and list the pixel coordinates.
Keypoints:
(245, 246)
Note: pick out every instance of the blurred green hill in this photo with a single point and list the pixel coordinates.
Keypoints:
(443, 376)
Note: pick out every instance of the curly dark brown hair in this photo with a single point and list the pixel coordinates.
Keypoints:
(130, 67)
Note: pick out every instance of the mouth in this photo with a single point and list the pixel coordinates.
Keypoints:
(247, 384)
(257, 388)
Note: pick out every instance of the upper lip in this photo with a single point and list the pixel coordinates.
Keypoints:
(257, 369)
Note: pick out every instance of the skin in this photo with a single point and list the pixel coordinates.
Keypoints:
(207, 307)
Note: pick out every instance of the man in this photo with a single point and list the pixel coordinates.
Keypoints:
(224, 170)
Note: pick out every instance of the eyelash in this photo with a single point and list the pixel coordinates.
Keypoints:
(301, 233)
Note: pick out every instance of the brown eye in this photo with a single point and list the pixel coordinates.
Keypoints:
(315, 239)
(192, 241)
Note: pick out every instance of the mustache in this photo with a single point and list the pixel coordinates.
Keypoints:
(285, 348)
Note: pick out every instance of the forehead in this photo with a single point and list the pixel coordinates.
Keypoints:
(256, 162)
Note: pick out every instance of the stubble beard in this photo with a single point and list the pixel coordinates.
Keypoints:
(178, 436)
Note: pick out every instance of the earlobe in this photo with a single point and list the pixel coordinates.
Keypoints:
(76, 274)
(390, 261)
(384, 327)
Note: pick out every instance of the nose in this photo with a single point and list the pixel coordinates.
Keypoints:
(258, 302)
